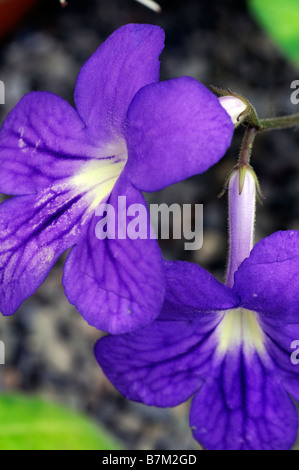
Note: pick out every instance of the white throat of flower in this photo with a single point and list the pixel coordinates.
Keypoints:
(98, 176)
(240, 327)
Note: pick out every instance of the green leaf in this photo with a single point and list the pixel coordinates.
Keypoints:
(280, 18)
(34, 424)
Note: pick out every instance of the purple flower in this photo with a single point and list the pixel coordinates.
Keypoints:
(129, 133)
(229, 346)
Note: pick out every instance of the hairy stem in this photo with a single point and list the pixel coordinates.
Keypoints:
(246, 147)
(281, 122)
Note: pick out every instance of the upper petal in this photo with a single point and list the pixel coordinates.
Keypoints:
(268, 281)
(125, 62)
(42, 140)
(176, 129)
(190, 285)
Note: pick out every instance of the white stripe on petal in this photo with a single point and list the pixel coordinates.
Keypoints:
(98, 176)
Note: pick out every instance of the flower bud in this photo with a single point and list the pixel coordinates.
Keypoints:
(241, 217)
(233, 106)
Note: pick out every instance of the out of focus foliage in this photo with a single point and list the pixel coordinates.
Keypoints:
(280, 18)
(34, 424)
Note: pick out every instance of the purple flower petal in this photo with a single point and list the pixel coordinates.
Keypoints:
(162, 364)
(176, 129)
(268, 281)
(282, 346)
(116, 284)
(34, 232)
(237, 363)
(41, 141)
(190, 285)
(125, 62)
(244, 408)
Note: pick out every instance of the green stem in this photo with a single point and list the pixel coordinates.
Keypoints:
(246, 147)
(278, 122)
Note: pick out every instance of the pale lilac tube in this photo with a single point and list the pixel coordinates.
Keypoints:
(241, 218)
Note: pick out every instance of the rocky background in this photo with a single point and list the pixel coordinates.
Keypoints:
(49, 348)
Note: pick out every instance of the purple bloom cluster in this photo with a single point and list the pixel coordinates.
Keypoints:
(176, 331)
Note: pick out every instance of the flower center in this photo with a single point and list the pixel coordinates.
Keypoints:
(97, 177)
(240, 326)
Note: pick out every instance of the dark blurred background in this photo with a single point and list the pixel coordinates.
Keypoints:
(49, 348)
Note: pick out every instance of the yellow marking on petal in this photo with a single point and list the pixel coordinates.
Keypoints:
(97, 179)
(240, 326)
